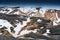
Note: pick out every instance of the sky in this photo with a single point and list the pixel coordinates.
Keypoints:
(29, 2)
(55, 4)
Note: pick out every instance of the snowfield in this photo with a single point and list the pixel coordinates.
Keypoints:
(19, 26)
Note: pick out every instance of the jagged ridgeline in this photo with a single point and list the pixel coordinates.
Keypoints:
(18, 22)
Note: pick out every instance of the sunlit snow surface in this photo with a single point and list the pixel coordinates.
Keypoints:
(19, 26)
(6, 24)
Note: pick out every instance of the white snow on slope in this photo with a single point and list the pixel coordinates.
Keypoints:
(6, 24)
(19, 26)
